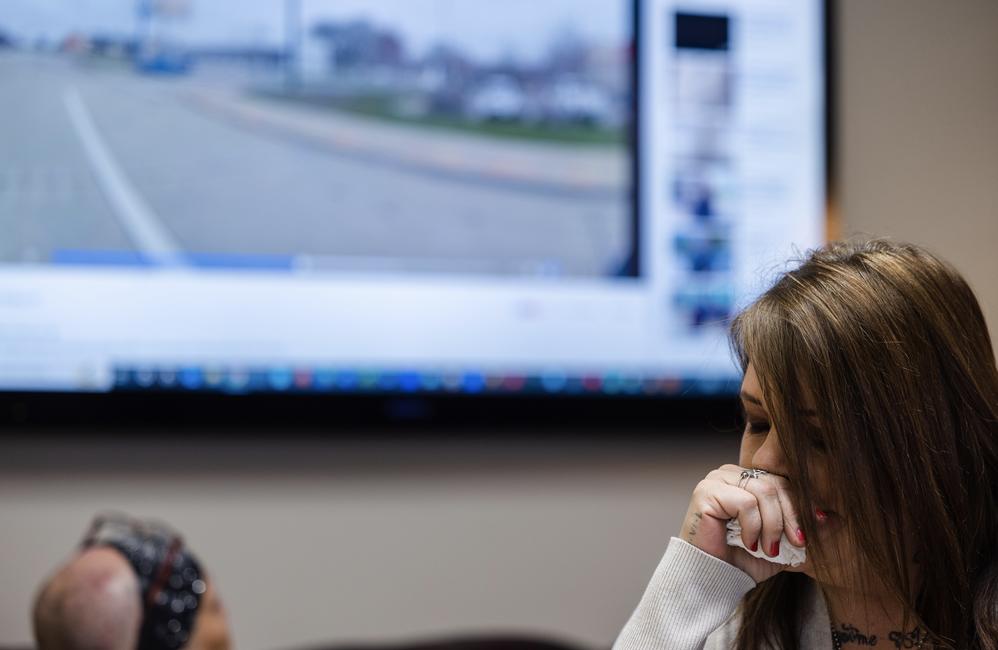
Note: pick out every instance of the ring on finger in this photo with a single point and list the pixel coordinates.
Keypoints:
(749, 474)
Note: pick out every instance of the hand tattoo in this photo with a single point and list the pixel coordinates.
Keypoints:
(693, 527)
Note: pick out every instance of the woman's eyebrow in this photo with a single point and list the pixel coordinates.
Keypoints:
(749, 397)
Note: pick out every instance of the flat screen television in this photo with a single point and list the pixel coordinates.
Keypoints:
(344, 210)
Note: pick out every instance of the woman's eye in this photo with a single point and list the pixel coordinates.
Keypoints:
(758, 427)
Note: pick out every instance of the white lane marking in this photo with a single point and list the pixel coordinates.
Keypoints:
(136, 216)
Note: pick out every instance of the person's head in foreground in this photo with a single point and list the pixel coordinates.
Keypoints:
(132, 585)
(870, 384)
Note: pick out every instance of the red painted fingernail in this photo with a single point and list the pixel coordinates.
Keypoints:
(775, 549)
(821, 514)
(755, 546)
(800, 535)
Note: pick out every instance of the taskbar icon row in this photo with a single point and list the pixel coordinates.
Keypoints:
(287, 379)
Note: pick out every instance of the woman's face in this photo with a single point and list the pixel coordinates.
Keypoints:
(761, 448)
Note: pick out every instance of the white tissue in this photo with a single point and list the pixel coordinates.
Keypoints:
(789, 554)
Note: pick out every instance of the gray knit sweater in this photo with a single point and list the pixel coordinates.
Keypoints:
(691, 601)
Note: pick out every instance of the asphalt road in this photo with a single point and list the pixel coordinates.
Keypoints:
(98, 158)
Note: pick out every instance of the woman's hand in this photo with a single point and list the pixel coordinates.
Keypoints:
(762, 507)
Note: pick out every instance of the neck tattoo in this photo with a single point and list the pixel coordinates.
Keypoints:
(849, 634)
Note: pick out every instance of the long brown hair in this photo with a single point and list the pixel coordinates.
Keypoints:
(888, 345)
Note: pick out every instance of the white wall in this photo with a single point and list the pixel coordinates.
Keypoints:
(316, 542)
(919, 136)
(330, 542)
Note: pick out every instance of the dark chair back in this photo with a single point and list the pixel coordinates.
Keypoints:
(483, 642)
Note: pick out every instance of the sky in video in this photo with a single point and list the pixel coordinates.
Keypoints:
(486, 29)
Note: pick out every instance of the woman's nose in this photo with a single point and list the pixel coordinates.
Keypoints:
(770, 457)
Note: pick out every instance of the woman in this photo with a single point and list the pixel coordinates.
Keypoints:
(870, 394)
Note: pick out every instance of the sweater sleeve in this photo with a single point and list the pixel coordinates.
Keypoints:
(691, 595)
